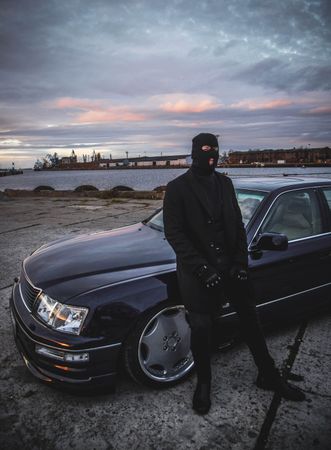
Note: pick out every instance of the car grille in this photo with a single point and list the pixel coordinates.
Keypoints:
(28, 291)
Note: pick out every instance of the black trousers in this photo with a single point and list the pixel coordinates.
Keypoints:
(242, 298)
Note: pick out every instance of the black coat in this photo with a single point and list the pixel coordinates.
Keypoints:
(190, 229)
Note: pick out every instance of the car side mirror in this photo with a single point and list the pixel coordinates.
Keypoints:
(270, 241)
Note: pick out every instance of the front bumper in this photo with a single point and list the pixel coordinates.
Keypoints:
(100, 370)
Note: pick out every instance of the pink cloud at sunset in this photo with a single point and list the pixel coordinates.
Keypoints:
(96, 111)
(109, 115)
(254, 104)
(183, 103)
(320, 110)
(184, 106)
(75, 103)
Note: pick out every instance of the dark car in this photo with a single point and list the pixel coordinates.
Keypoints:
(84, 306)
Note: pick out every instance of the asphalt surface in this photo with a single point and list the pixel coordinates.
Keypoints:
(35, 416)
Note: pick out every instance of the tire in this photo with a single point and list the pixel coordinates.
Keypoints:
(157, 353)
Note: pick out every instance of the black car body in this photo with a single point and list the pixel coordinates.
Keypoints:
(82, 305)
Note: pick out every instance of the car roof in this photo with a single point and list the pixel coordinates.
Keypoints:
(272, 183)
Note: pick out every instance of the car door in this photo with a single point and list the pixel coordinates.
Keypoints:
(286, 279)
(326, 255)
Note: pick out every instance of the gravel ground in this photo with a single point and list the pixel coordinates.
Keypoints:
(34, 416)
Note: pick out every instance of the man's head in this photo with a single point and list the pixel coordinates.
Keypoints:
(205, 152)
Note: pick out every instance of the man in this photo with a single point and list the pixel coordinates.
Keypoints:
(203, 224)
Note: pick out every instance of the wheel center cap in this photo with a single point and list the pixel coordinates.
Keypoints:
(172, 341)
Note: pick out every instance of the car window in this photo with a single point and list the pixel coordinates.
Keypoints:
(295, 214)
(248, 202)
(156, 221)
(327, 193)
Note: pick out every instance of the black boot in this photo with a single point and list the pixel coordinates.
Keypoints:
(274, 382)
(201, 398)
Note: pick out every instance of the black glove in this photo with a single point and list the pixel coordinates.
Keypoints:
(208, 276)
(238, 272)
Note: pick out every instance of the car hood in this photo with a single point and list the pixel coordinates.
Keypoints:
(69, 267)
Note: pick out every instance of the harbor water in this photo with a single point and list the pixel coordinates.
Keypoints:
(138, 179)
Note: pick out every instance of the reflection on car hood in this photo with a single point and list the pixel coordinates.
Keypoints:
(69, 267)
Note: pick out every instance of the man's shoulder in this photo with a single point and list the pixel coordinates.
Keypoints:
(223, 177)
(179, 181)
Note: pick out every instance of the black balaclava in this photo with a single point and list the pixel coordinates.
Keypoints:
(204, 161)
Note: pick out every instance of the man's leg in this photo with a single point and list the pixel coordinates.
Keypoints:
(242, 298)
(201, 344)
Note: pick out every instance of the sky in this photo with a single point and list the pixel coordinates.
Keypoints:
(145, 77)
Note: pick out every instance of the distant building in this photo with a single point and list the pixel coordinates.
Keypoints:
(281, 156)
(72, 159)
(147, 161)
(65, 160)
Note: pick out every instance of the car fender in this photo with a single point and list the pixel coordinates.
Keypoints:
(115, 310)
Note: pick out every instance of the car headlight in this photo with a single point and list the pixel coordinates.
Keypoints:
(65, 318)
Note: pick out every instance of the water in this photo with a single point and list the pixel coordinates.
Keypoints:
(138, 179)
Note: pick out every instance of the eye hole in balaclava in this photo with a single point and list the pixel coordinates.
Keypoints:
(205, 152)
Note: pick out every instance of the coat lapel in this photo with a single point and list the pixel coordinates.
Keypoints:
(198, 192)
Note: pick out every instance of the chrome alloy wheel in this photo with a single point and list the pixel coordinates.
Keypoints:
(164, 351)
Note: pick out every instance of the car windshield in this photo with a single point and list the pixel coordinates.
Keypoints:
(248, 201)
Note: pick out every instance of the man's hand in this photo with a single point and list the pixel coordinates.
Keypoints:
(238, 272)
(208, 276)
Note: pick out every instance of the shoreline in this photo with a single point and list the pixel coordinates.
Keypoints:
(150, 195)
(7, 172)
(187, 166)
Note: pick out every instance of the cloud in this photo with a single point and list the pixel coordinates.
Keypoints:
(186, 106)
(74, 103)
(96, 111)
(273, 73)
(110, 115)
(179, 104)
(319, 111)
(10, 142)
(255, 104)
